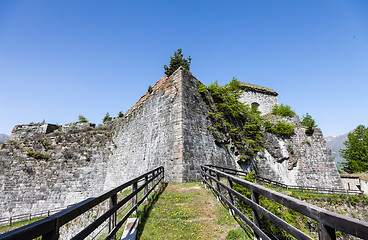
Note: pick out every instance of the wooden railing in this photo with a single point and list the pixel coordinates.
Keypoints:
(328, 222)
(318, 190)
(49, 227)
(29, 216)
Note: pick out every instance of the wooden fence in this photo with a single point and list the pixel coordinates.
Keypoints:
(49, 227)
(29, 216)
(328, 222)
(262, 180)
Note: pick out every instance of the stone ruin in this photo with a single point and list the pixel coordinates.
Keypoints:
(29, 131)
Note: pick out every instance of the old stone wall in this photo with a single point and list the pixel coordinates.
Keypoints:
(264, 101)
(199, 143)
(167, 127)
(299, 160)
(31, 130)
(64, 169)
(149, 136)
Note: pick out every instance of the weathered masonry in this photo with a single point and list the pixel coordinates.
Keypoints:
(263, 99)
(168, 126)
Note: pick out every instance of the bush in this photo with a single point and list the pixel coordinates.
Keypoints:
(233, 119)
(281, 128)
(283, 110)
(176, 61)
(81, 118)
(120, 114)
(107, 117)
(308, 122)
(37, 155)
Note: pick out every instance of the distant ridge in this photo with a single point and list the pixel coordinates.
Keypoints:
(3, 137)
(335, 143)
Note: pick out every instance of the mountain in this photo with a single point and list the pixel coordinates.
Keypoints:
(335, 143)
(3, 137)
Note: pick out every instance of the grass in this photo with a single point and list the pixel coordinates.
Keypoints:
(186, 211)
(7, 228)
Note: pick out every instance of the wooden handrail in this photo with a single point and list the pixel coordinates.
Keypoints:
(302, 188)
(48, 228)
(328, 222)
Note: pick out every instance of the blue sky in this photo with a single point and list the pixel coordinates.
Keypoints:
(60, 59)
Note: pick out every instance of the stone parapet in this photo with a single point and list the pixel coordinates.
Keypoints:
(31, 130)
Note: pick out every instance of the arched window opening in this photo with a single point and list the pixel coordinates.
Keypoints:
(255, 105)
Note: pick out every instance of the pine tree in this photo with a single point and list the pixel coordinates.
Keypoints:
(356, 152)
(107, 117)
(176, 61)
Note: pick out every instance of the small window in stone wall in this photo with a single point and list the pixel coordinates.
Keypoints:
(255, 105)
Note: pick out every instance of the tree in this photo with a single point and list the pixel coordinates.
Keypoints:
(81, 118)
(176, 61)
(356, 152)
(107, 117)
(308, 122)
(120, 114)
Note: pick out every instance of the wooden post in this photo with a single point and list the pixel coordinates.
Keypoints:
(10, 221)
(230, 185)
(53, 234)
(112, 219)
(325, 232)
(134, 199)
(146, 187)
(217, 184)
(255, 199)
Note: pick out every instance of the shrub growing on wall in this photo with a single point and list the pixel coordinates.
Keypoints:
(308, 121)
(233, 119)
(176, 61)
(81, 118)
(107, 118)
(281, 128)
(283, 110)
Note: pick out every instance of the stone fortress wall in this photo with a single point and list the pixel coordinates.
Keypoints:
(168, 126)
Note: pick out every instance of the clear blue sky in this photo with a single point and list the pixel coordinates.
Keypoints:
(60, 59)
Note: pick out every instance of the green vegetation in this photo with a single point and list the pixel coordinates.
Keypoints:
(81, 118)
(292, 217)
(283, 110)
(149, 89)
(281, 128)
(38, 155)
(107, 118)
(308, 122)
(120, 114)
(7, 228)
(176, 61)
(356, 152)
(233, 118)
(238, 234)
(185, 211)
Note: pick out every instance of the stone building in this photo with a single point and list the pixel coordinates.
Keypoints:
(358, 181)
(262, 98)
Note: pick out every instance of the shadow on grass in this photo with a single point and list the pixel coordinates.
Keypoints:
(144, 213)
(247, 230)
